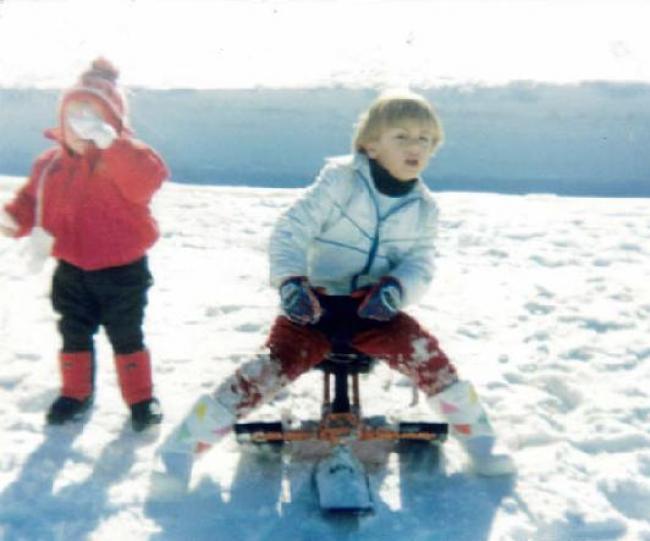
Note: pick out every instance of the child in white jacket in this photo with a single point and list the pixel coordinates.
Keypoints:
(346, 258)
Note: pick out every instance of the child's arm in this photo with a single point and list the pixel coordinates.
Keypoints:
(137, 170)
(415, 271)
(296, 229)
(21, 212)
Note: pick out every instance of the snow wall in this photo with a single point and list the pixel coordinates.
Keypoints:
(588, 139)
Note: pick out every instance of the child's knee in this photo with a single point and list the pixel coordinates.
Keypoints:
(297, 348)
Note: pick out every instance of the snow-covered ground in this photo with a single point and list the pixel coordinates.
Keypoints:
(542, 301)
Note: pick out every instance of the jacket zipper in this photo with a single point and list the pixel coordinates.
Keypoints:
(372, 253)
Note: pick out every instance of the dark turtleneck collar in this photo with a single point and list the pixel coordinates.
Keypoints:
(386, 183)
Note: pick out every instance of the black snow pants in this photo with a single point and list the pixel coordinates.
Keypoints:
(114, 297)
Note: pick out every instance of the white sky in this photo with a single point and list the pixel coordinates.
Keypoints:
(306, 43)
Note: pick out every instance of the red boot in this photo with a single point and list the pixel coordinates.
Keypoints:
(77, 389)
(134, 375)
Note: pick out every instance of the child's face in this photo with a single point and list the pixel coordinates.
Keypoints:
(72, 140)
(403, 149)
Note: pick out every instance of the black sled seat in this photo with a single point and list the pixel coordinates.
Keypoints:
(341, 418)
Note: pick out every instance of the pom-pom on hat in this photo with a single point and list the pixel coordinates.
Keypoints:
(99, 82)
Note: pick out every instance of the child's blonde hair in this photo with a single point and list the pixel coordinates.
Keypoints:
(390, 109)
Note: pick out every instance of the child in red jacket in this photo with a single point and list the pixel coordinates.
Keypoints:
(91, 194)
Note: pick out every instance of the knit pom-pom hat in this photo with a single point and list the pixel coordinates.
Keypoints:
(99, 83)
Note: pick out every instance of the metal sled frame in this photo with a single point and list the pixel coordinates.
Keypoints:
(341, 481)
(341, 419)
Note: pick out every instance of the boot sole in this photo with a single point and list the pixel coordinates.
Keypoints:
(140, 426)
(81, 416)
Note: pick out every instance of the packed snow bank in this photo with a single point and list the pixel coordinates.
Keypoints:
(579, 139)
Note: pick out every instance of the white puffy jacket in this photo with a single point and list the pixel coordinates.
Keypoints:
(344, 234)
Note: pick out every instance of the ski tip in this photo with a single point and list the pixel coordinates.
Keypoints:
(342, 484)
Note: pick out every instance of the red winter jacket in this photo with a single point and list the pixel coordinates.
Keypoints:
(96, 205)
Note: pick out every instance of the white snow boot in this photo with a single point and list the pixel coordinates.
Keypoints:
(205, 424)
(460, 406)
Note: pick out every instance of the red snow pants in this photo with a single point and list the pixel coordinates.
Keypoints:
(401, 342)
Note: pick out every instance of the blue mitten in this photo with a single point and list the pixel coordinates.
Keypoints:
(299, 302)
(383, 301)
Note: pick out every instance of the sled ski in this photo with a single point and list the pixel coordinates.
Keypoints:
(341, 481)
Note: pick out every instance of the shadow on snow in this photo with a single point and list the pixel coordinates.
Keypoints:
(29, 507)
(272, 498)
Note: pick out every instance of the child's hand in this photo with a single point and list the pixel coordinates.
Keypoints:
(87, 124)
(6, 232)
(383, 301)
(8, 226)
(299, 302)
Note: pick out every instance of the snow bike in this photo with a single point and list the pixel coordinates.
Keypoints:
(341, 481)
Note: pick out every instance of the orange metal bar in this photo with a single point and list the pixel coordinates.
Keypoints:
(340, 426)
(336, 435)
